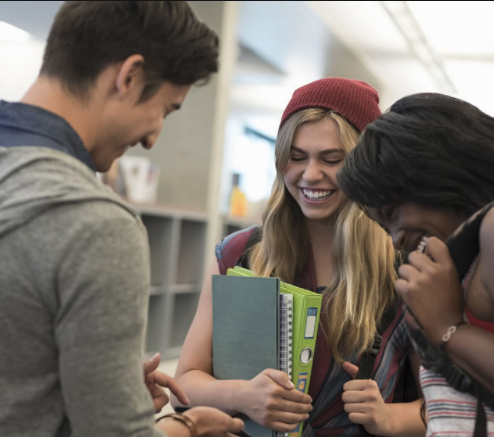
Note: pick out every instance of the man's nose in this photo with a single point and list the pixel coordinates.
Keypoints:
(148, 141)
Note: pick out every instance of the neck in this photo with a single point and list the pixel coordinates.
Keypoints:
(48, 94)
(321, 234)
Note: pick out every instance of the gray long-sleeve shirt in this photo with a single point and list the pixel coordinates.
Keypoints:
(74, 282)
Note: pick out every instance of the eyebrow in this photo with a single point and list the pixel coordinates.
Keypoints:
(380, 212)
(323, 152)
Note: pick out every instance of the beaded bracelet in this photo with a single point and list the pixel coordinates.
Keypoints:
(451, 330)
(186, 420)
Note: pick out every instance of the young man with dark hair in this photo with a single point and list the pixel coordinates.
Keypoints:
(74, 281)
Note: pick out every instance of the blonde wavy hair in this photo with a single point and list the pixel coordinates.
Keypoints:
(362, 285)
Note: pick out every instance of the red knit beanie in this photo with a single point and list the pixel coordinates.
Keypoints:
(355, 100)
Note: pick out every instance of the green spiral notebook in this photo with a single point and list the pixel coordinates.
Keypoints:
(248, 336)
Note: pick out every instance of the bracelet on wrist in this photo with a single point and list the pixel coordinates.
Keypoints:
(182, 418)
(451, 330)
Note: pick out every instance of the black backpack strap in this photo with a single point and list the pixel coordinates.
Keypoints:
(368, 358)
(254, 238)
(464, 244)
(434, 359)
(464, 382)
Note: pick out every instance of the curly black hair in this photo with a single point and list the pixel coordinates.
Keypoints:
(429, 149)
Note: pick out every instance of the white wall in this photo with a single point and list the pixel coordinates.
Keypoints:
(19, 66)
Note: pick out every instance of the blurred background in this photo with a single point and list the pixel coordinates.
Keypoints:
(211, 171)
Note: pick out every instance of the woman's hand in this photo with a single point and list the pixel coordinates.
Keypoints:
(271, 400)
(365, 406)
(156, 380)
(364, 403)
(351, 369)
(430, 287)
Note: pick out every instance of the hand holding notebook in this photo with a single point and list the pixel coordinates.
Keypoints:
(260, 325)
(271, 400)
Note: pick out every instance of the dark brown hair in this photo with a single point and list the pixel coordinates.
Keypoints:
(89, 36)
(429, 149)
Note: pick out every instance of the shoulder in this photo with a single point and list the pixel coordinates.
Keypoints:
(62, 183)
(105, 216)
(95, 212)
(230, 249)
(74, 228)
(487, 228)
(487, 250)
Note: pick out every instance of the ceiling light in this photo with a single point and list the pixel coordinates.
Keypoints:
(402, 16)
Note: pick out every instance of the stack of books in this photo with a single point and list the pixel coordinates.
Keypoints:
(261, 323)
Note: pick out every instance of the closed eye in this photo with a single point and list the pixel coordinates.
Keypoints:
(333, 162)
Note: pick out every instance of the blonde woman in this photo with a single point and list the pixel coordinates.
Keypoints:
(313, 236)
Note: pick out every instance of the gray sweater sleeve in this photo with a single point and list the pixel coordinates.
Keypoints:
(103, 290)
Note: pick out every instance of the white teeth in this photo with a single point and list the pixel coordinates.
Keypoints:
(422, 245)
(316, 195)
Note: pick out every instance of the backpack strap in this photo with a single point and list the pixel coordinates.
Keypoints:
(463, 246)
(433, 358)
(254, 238)
(464, 243)
(369, 357)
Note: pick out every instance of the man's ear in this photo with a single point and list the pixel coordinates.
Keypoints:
(130, 75)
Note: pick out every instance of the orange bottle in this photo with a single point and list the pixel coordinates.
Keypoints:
(238, 201)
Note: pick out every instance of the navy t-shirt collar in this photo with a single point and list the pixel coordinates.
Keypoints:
(27, 125)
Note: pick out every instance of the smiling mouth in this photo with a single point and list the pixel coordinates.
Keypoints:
(422, 244)
(316, 195)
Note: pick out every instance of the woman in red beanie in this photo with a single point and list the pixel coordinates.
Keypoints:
(314, 237)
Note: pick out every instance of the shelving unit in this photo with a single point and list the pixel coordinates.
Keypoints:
(177, 243)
